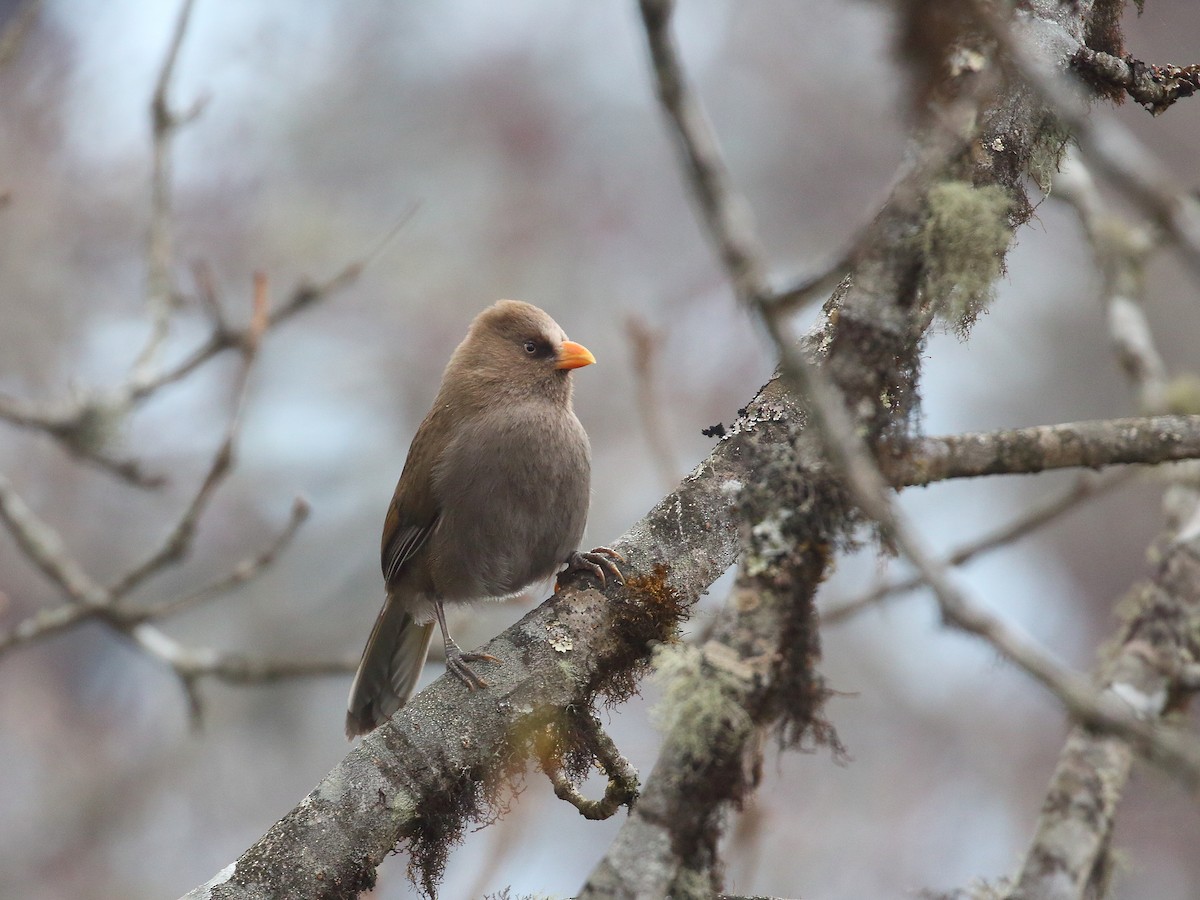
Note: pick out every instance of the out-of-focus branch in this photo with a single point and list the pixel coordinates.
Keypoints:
(178, 542)
(645, 345)
(80, 424)
(165, 122)
(724, 211)
(1086, 487)
(1121, 249)
(1069, 856)
(243, 572)
(43, 546)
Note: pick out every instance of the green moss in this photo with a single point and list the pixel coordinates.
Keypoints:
(965, 235)
(1047, 153)
(699, 701)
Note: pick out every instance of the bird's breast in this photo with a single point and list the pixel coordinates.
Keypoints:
(513, 488)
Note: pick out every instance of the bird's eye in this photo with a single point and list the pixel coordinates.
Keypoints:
(531, 347)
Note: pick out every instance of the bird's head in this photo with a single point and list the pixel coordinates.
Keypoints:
(517, 348)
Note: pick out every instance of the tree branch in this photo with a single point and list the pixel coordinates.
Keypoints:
(1158, 646)
(1023, 451)
(165, 122)
(1155, 87)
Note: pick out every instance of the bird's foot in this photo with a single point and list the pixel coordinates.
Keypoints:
(596, 562)
(456, 662)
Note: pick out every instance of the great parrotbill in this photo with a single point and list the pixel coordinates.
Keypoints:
(493, 498)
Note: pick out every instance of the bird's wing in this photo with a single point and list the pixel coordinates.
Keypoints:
(414, 511)
(403, 540)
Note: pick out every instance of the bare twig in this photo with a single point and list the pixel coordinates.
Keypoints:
(1086, 487)
(1122, 249)
(726, 213)
(44, 547)
(1150, 669)
(242, 572)
(80, 427)
(303, 296)
(645, 345)
(206, 288)
(178, 542)
(165, 122)
(74, 422)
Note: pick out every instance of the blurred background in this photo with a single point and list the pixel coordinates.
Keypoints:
(527, 134)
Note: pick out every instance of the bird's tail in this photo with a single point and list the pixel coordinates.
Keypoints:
(390, 666)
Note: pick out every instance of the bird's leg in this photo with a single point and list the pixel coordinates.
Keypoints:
(596, 562)
(456, 659)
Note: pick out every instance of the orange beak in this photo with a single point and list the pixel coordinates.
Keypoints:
(574, 356)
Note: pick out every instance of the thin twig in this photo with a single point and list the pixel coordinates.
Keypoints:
(303, 296)
(1122, 250)
(645, 347)
(178, 542)
(80, 427)
(48, 622)
(206, 289)
(1086, 487)
(44, 547)
(165, 122)
(724, 210)
(71, 422)
(242, 572)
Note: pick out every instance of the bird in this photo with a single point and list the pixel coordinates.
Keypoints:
(493, 498)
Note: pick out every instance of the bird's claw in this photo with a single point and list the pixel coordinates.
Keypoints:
(596, 562)
(456, 662)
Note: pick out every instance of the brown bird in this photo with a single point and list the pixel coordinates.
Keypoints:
(493, 498)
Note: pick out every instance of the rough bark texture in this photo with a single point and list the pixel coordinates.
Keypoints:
(720, 699)
(1069, 857)
(1149, 441)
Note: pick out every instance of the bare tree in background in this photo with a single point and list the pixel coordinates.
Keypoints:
(807, 471)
